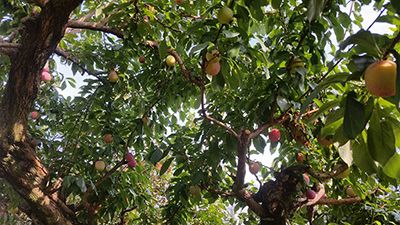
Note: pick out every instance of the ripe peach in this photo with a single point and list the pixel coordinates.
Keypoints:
(274, 135)
(132, 163)
(129, 157)
(46, 76)
(213, 68)
(380, 78)
(254, 167)
(35, 115)
(113, 76)
(100, 165)
(108, 138)
(170, 60)
(300, 157)
(311, 194)
(142, 59)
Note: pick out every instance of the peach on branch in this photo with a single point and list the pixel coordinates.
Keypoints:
(113, 76)
(108, 138)
(170, 60)
(380, 78)
(100, 165)
(274, 135)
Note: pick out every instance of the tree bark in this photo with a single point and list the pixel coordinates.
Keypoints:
(19, 164)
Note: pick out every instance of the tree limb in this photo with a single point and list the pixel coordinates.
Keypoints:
(40, 3)
(391, 46)
(94, 26)
(344, 201)
(251, 203)
(18, 161)
(8, 48)
(269, 124)
(327, 175)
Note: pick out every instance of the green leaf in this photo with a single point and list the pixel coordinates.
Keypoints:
(276, 4)
(198, 48)
(156, 156)
(166, 165)
(361, 157)
(162, 50)
(381, 140)
(255, 7)
(364, 41)
(392, 167)
(314, 9)
(333, 122)
(323, 108)
(333, 79)
(354, 121)
(395, 4)
(80, 182)
(259, 144)
(346, 154)
(396, 99)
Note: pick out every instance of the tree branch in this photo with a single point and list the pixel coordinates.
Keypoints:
(251, 203)
(320, 194)
(269, 124)
(206, 116)
(94, 26)
(100, 181)
(344, 201)
(327, 175)
(122, 214)
(40, 3)
(391, 46)
(8, 48)
(69, 57)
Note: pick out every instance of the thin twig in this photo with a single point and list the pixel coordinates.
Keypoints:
(327, 175)
(69, 57)
(391, 46)
(205, 115)
(122, 214)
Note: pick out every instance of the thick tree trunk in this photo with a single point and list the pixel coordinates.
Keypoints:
(19, 164)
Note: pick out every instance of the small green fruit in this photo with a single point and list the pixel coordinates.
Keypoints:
(225, 15)
(212, 56)
(195, 190)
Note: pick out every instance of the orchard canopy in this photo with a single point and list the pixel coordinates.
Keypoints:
(182, 102)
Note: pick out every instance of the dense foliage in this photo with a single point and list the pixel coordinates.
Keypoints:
(296, 66)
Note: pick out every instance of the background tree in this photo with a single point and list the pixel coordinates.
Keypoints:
(179, 97)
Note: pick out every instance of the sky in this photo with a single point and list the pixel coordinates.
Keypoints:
(369, 15)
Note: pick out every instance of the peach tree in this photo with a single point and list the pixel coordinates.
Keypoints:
(178, 98)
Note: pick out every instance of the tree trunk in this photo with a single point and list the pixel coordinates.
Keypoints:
(19, 164)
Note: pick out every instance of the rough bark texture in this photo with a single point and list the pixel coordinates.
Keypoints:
(19, 164)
